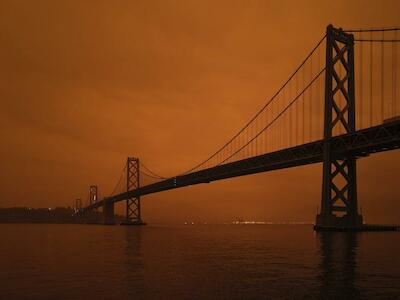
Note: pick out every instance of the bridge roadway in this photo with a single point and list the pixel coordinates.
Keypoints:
(361, 143)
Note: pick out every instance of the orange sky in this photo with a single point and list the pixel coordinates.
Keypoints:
(84, 84)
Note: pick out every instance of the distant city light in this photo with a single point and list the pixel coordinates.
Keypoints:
(249, 222)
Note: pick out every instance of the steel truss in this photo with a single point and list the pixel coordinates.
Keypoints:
(339, 183)
(133, 183)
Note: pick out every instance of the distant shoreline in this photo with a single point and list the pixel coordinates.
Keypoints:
(57, 215)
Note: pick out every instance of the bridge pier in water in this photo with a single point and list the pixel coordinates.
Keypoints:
(108, 212)
(339, 207)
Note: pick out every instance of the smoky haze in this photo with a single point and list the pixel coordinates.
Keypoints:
(84, 84)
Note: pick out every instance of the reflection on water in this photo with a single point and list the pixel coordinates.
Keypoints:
(134, 265)
(338, 266)
(195, 262)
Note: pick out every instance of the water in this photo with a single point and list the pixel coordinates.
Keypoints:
(195, 262)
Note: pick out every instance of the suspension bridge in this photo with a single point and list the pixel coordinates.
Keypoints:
(339, 105)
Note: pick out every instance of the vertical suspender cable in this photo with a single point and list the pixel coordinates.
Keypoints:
(225, 150)
(256, 141)
(214, 160)
(393, 113)
(266, 137)
(255, 133)
(361, 45)
(310, 114)
(280, 123)
(220, 157)
(382, 76)
(248, 138)
(229, 149)
(232, 143)
(274, 105)
(273, 127)
(277, 129)
(266, 133)
(237, 141)
(370, 80)
(319, 98)
(242, 153)
(286, 131)
(251, 145)
(247, 149)
(283, 136)
(242, 137)
(269, 137)
(253, 151)
(296, 111)
(271, 134)
(262, 141)
(290, 116)
(252, 130)
(277, 123)
(245, 139)
(394, 75)
(304, 102)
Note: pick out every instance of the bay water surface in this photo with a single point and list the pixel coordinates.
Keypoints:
(57, 261)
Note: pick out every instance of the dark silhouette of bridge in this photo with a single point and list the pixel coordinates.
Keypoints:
(311, 119)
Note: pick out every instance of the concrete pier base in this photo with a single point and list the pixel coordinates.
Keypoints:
(348, 223)
(364, 227)
(331, 220)
(133, 223)
(108, 211)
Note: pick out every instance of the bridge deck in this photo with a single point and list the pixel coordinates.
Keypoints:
(361, 143)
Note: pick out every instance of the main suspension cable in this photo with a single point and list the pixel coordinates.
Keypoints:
(372, 29)
(278, 116)
(151, 172)
(261, 110)
(119, 180)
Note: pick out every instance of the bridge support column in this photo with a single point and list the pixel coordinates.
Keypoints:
(339, 206)
(133, 213)
(108, 212)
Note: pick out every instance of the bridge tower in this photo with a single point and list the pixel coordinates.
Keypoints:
(93, 194)
(133, 216)
(78, 205)
(339, 187)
